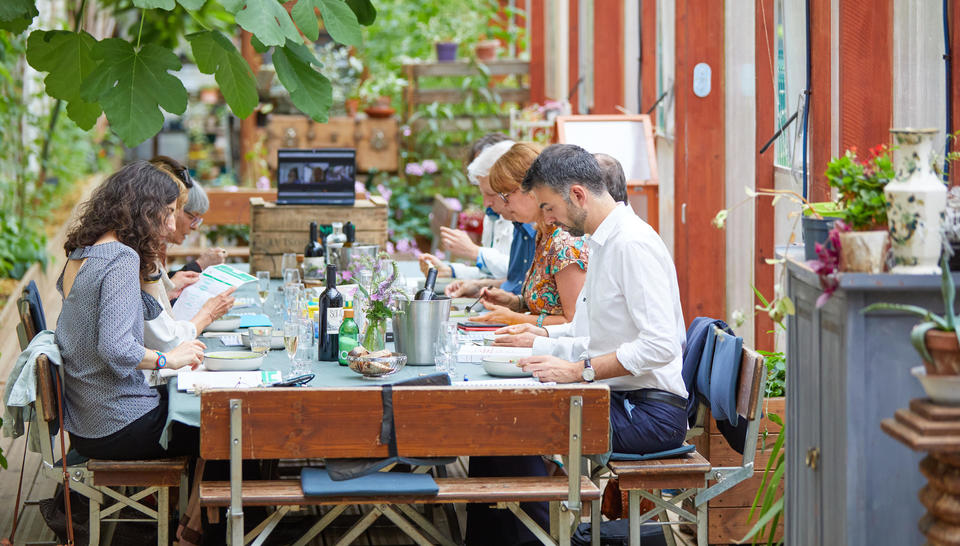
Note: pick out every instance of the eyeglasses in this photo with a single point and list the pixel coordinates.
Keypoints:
(184, 175)
(504, 196)
(195, 220)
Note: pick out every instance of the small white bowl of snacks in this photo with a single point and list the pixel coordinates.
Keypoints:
(232, 361)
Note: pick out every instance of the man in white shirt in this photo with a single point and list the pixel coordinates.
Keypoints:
(635, 327)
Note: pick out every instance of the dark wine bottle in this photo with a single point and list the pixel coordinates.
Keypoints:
(350, 231)
(314, 249)
(426, 293)
(330, 317)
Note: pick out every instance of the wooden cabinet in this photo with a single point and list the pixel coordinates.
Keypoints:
(847, 481)
(376, 140)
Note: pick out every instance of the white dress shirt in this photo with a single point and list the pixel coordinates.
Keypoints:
(568, 340)
(633, 304)
(494, 256)
(164, 332)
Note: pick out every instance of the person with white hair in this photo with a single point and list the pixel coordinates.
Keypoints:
(492, 257)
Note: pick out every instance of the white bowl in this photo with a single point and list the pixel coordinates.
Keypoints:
(226, 323)
(944, 389)
(232, 361)
(276, 340)
(504, 366)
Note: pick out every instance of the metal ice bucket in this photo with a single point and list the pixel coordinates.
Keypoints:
(416, 327)
(347, 256)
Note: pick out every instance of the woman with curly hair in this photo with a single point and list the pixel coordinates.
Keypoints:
(116, 242)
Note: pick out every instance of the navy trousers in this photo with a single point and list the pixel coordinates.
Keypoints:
(647, 426)
(488, 526)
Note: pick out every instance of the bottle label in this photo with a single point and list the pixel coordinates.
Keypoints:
(347, 344)
(334, 320)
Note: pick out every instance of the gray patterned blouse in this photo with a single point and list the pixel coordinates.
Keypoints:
(100, 335)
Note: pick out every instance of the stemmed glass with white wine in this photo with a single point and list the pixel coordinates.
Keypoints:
(291, 334)
(263, 287)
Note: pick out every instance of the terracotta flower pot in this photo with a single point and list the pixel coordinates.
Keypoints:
(945, 350)
(864, 251)
(486, 50)
(352, 106)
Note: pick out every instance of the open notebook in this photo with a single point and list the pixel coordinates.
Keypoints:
(193, 380)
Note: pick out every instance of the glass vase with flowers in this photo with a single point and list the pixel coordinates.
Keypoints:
(382, 297)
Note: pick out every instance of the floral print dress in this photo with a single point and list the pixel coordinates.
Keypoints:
(554, 252)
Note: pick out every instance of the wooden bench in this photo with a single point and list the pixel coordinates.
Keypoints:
(690, 472)
(429, 422)
(102, 480)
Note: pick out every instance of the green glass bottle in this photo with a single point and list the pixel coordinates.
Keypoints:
(349, 332)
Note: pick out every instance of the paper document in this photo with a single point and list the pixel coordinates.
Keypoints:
(519, 382)
(191, 381)
(476, 353)
(214, 280)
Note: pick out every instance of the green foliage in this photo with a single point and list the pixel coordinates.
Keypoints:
(770, 508)
(45, 54)
(132, 85)
(776, 363)
(216, 54)
(130, 78)
(231, 234)
(860, 185)
(310, 90)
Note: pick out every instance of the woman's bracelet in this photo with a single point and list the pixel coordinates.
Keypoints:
(540, 320)
(161, 360)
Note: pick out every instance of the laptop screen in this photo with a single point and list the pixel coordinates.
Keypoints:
(324, 175)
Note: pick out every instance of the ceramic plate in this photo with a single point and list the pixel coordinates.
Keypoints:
(232, 361)
(226, 323)
(504, 366)
(276, 341)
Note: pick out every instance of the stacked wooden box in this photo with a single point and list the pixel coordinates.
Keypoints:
(727, 514)
(276, 229)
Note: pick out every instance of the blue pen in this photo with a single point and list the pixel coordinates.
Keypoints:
(465, 378)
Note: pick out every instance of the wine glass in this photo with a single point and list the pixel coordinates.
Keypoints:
(305, 347)
(291, 301)
(263, 287)
(446, 348)
(291, 338)
(288, 261)
(291, 276)
(261, 338)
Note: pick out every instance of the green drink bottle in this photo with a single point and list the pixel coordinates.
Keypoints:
(349, 332)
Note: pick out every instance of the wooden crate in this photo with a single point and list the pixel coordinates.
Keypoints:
(727, 514)
(276, 229)
(376, 140)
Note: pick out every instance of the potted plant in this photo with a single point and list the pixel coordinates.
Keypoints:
(817, 221)
(378, 93)
(485, 49)
(859, 184)
(937, 338)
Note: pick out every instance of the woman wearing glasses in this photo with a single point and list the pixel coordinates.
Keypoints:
(553, 282)
(163, 331)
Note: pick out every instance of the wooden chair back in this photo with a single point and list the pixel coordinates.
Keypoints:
(442, 214)
(430, 421)
(25, 329)
(751, 384)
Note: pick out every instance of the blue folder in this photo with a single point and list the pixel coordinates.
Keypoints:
(251, 321)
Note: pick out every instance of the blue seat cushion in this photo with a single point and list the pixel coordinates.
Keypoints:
(724, 376)
(316, 482)
(682, 450)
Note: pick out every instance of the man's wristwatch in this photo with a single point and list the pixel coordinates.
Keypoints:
(588, 372)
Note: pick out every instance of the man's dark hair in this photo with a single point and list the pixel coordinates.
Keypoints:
(613, 177)
(560, 166)
(486, 140)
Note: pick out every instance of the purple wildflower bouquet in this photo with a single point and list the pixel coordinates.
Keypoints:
(383, 298)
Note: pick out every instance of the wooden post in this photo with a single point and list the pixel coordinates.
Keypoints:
(819, 127)
(765, 67)
(648, 57)
(699, 161)
(248, 126)
(608, 53)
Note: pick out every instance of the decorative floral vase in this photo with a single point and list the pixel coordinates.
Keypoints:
(916, 203)
(375, 338)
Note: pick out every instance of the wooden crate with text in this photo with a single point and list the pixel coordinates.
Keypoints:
(376, 140)
(276, 229)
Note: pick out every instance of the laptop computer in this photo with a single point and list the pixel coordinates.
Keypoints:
(322, 176)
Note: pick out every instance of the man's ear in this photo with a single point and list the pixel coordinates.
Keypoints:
(578, 195)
